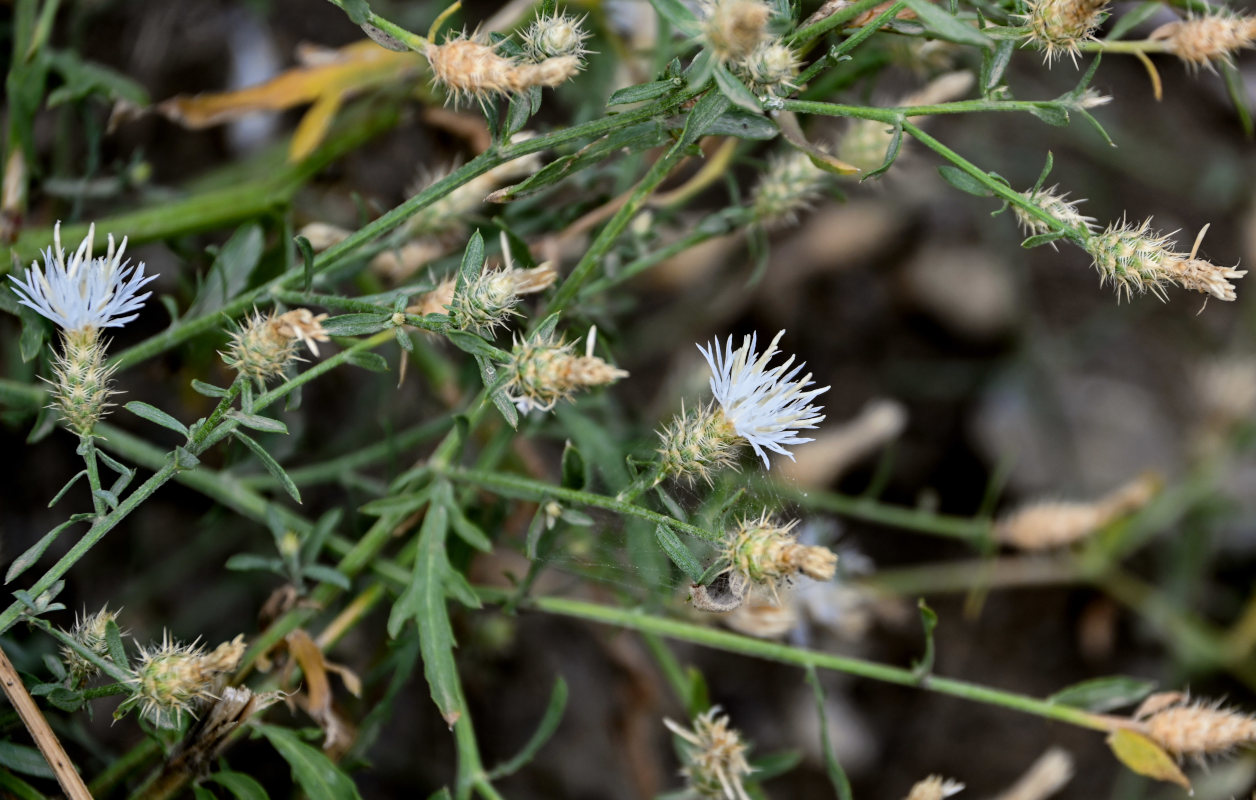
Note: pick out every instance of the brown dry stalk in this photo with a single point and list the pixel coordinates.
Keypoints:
(45, 739)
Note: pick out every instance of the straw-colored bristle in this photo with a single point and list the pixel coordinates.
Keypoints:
(935, 787)
(1062, 26)
(1196, 728)
(1043, 526)
(468, 68)
(1205, 40)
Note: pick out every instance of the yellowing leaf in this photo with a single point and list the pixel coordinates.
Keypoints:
(325, 80)
(793, 134)
(313, 126)
(1145, 757)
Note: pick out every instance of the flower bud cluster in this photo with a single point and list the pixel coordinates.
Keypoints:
(1204, 40)
(555, 36)
(175, 679)
(714, 756)
(471, 69)
(769, 554)
(545, 371)
(265, 344)
(89, 631)
(1057, 205)
(1137, 259)
(1184, 727)
(790, 185)
(491, 297)
(1062, 26)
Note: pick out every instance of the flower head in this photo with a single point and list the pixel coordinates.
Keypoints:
(84, 293)
(715, 756)
(766, 407)
(173, 679)
(545, 371)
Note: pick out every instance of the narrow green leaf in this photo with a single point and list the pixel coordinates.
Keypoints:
(1043, 238)
(1050, 113)
(229, 275)
(307, 261)
(476, 345)
(325, 574)
(24, 759)
(472, 259)
(113, 639)
(929, 621)
(109, 497)
(837, 775)
(241, 786)
(501, 400)
(946, 26)
(356, 324)
(201, 793)
(424, 602)
(573, 467)
(272, 466)
(32, 553)
(1132, 19)
(1104, 694)
(246, 562)
(705, 112)
(1042, 176)
(314, 772)
(263, 424)
(963, 181)
(156, 416)
(549, 723)
(468, 531)
(208, 389)
(644, 91)
(736, 91)
(678, 553)
(61, 492)
(372, 362)
(17, 788)
(83, 78)
(396, 504)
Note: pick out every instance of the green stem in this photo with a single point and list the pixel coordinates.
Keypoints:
(869, 510)
(121, 767)
(403, 36)
(803, 38)
(1129, 47)
(637, 620)
(88, 446)
(891, 115)
(529, 489)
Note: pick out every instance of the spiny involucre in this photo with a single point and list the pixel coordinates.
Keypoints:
(1058, 205)
(715, 756)
(470, 68)
(1202, 41)
(1062, 26)
(544, 371)
(173, 679)
(1135, 258)
(1186, 727)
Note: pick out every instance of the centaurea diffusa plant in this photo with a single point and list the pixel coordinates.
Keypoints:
(764, 407)
(544, 371)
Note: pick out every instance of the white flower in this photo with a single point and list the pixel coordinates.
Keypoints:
(86, 292)
(766, 407)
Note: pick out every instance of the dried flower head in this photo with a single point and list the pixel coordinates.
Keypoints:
(714, 756)
(173, 679)
(1137, 259)
(790, 185)
(1198, 728)
(770, 69)
(1205, 40)
(544, 371)
(935, 787)
(1062, 26)
(1043, 526)
(89, 631)
(765, 406)
(768, 554)
(266, 343)
(1050, 773)
(84, 293)
(472, 70)
(555, 35)
(1057, 205)
(734, 28)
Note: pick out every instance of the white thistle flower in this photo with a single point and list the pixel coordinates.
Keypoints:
(766, 407)
(85, 293)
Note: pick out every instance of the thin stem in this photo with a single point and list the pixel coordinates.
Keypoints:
(403, 36)
(869, 510)
(526, 488)
(41, 732)
(634, 619)
(88, 445)
(1131, 46)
